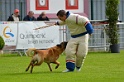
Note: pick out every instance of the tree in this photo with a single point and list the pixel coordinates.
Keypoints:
(2, 43)
(112, 30)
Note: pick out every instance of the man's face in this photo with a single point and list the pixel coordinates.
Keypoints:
(16, 13)
(63, 18)
(31, 14)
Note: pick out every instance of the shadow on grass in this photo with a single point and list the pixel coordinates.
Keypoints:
(25, 73)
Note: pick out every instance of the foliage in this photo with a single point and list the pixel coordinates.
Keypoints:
(112, 15)
(2, 43)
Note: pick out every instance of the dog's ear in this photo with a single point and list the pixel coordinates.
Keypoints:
(62, 44)
(58, 45)
(65, 44)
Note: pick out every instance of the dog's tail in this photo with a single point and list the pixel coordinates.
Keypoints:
(30, 52)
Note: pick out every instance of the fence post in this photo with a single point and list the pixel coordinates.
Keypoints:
(104, 38)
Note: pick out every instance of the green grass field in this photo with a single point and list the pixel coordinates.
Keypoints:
(98, 67)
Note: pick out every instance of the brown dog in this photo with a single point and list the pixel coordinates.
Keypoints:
(48, 56)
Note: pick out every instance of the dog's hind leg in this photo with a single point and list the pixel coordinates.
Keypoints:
(29, 66)
(33, 62)
(49, 66)
(32, 66)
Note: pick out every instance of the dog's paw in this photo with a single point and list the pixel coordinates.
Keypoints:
(56, 67)
(26, 69)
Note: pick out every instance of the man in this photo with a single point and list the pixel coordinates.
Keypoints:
(42, 17)
(15, 16)
(77, 47)
(30, 17)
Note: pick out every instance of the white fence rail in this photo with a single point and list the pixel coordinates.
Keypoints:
(99, 39)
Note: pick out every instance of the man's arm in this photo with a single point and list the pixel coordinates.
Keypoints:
(89, 28)
(81, 20)
(10, 18)
(59, 23)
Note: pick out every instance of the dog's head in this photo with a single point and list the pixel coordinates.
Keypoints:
(62, 45)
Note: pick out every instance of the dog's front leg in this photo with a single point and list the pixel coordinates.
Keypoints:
(49, 66)
(56, 62)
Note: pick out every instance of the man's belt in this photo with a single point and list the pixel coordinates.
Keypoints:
(78, 35)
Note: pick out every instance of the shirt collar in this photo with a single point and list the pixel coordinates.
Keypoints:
(67, 14)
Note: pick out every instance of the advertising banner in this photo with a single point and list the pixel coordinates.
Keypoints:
(40, 39)
(9, 32)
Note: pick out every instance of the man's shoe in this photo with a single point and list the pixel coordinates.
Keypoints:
(78, 69)
(67, 70)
